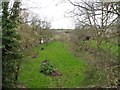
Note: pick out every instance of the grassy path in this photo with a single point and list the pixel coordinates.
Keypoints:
(58, 54)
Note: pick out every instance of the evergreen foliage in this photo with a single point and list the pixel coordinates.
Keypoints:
(10, 44)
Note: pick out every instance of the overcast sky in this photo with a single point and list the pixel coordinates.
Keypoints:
(53, 10)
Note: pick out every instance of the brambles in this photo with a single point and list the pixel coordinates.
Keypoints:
(35, 55)
(48, 69)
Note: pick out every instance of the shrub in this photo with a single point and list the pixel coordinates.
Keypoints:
(46, 68)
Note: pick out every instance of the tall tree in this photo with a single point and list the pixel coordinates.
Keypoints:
(10, 43)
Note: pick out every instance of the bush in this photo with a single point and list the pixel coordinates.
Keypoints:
(46, 68)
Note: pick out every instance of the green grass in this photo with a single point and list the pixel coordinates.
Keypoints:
(108, 46)
(59, 55)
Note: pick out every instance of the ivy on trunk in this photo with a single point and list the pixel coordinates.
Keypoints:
(10, 44)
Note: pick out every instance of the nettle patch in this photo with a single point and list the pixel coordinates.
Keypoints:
(47, 69)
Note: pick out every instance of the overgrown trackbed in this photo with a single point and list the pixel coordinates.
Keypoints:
(59, 55)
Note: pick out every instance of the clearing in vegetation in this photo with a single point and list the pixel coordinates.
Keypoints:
(58, 54)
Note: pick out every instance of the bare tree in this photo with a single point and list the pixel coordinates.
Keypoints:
(98, 15)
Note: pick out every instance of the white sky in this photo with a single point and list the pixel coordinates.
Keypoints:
(53, 10)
